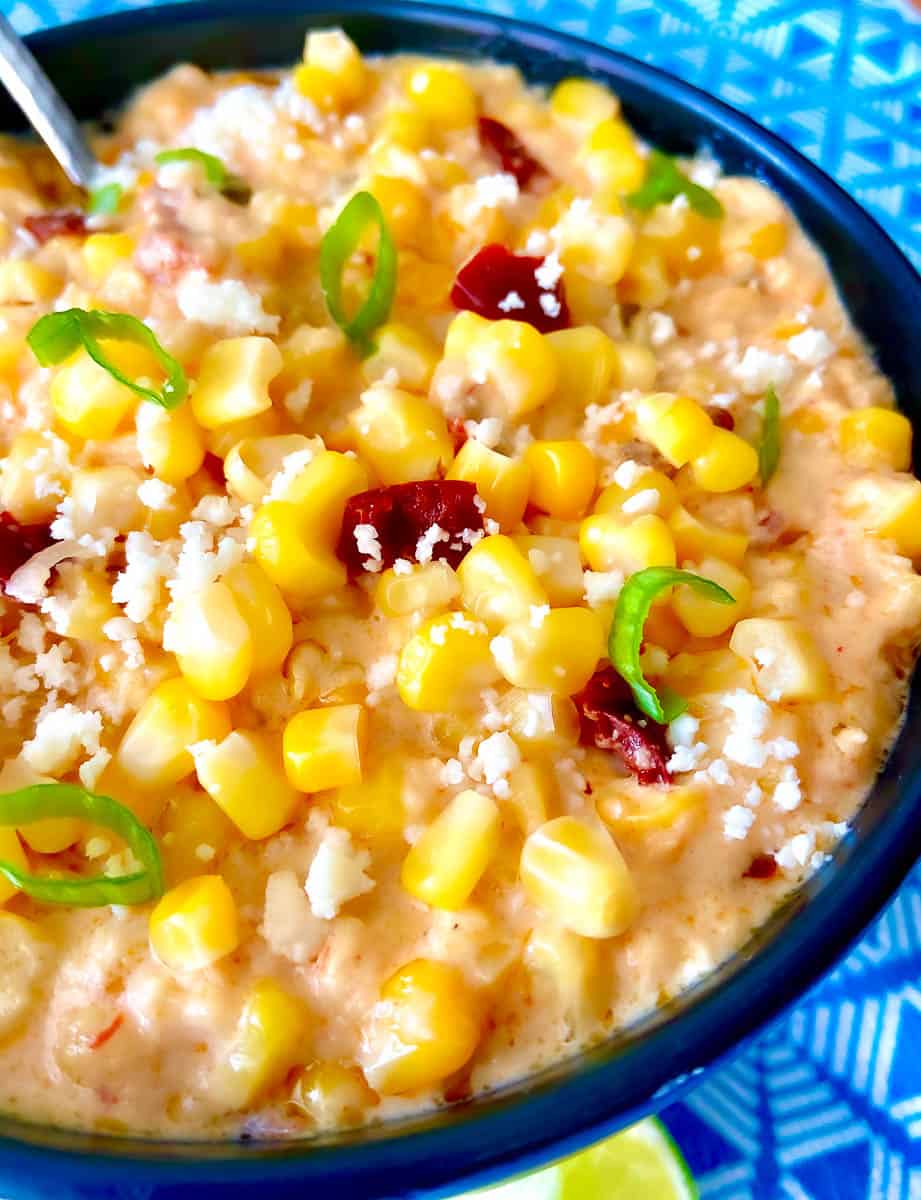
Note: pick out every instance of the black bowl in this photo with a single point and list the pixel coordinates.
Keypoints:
(96, 64)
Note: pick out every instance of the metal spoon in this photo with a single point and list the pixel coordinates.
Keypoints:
(41, 102)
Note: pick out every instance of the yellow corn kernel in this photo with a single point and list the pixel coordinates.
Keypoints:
(502, 482)
(403, 127)
(261, 606)
(442, 95)
(610, 545)
(319, 354)
(413, 355)
(333, 54)
(253, 462)
(651, 491)
(402, 436)
(786, 662)
(767, 240)
(557, 563)
(445, 664)
(595, 244)
(676, 425)
(575, 873)
(890, 508)
(323, 747)
(154, 751)
(647, 810)
(194, 924)
(319, 492)
(374, 807)
(532, 795)
(24, 282)
(557, 653)
(572, 965)
(86, 605)
(512, 356)
(103, 252)
(544, 722)
(23, 952)
(706, 618)
(688, 242)
(448, 860)
(645, 281)
(87, 401)
(425, 589)
(31, 458)
(563, 477)
(404, 206)
(695, 539)
(11, 852)
(170, 443)
(727, 463)
(270, 1038)
(582, 104)
(332, 1095)
(303, 572)
(245, 778)
(221, 441)
(611, 158)
(212, 642)
(498, 584)
(233, 380)
(636, 367)
(427, 1028)
(875, 438)
(106, 496)
(711, 671)
(193, 831)
(586, 364)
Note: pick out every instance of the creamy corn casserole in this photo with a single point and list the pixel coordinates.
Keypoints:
(457, 570)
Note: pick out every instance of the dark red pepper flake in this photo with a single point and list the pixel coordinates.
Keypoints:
(402, 513)
(762, 866)
(45, 226)
(514, 157)
(611, 721)
(722, 419)
(106, 1035)
(501, 285)
(18, 543)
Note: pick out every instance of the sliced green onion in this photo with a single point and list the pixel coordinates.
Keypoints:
(769, 448)
(338, 245)
(103, 201)
(54, 800)
(626, 638)
(664, 181)
(232, 186)
(57, 335)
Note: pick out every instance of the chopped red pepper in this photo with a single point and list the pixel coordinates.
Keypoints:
(105, 1035)
(18, 543)
(762, 866)
(611, 721)
(45, 226)
(405, 512)
(513, 155)
(499, 284)
(722, 418)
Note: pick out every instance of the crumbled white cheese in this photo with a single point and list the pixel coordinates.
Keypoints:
(511, 302)
(788, 793)
(215, 510)
(297, 400)
(438, 635)
(812, 347)
(289, 926)
(719, 772)
(737, 822)
(683, 730)
(124, 631)
(90, 771)
(602, 586)
(155, 494)
(202, 558)
(227, 303)
(687, 758)
(488, 431)
(402, 566)
(782, 749)
(549, 304)
(369, 543)
(704, 170)
(496, 756)
(750, 720)
(850, 739)
(137, 587)
(759, 369)
(661, 328)
(337, 874)
(426, 544)
(629, 473)
(493, 191)
(550, 272)
(452, 773)
(645, 501)
(61, 735)
(538, 614)
(382, 672)
(753, 796)
(797, 852)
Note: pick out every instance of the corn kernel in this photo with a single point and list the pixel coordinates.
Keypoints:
(105, 496)
(767, 240)
(194, 924)
(87, 401)
(647, 810)
(11, 852)
(222, 440)
(403, 127)
(233, 380)
(212, 642)
(442, 95)
(323, 747)
(586, 364)
(261, 606)
(656, 494)
(320, 491)
(270, 1038)
(374, 807)
(154, 750)
(404, 206)
(303, 572)
(192, 827)
(545, 723)
(253, 462)
(610, 545)
(636, 367)
(576, 874)
(448, 860)
(712, 671)
(582, 104)
(86, 605)
(335, 61)
(501, 482)
(572, 965)
(695, 539)
(411, 354)
(498, 584)
(876, 438)
(319, 354)
(563, 477)
(512, 356)
(645, 281)
(557, 563)
(611, 158)
(532, 795)
(332, 1095)
(103, 252)
(786, 662)
(688, 242)
(24, 282)
(170, 443)
(445, 664)
(426, 589)
(559, 654)
(676, 425)
(23, 952)
(596, 244)
(704, 617)
(727, 463)
(427, 1028)
(30, 459)
(402, 436)
(890, 508)
(244, 776)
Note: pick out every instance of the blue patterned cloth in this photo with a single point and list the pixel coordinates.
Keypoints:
(826, 1105)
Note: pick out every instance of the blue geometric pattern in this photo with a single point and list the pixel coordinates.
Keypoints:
(826, 1105)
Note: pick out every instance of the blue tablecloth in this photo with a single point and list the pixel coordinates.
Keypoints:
(827, 1104)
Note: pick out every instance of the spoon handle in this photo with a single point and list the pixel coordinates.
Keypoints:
(49, 116)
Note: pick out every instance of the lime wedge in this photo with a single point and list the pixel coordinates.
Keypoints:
(642, 1163)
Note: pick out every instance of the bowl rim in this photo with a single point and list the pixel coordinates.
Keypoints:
(547, 1116)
